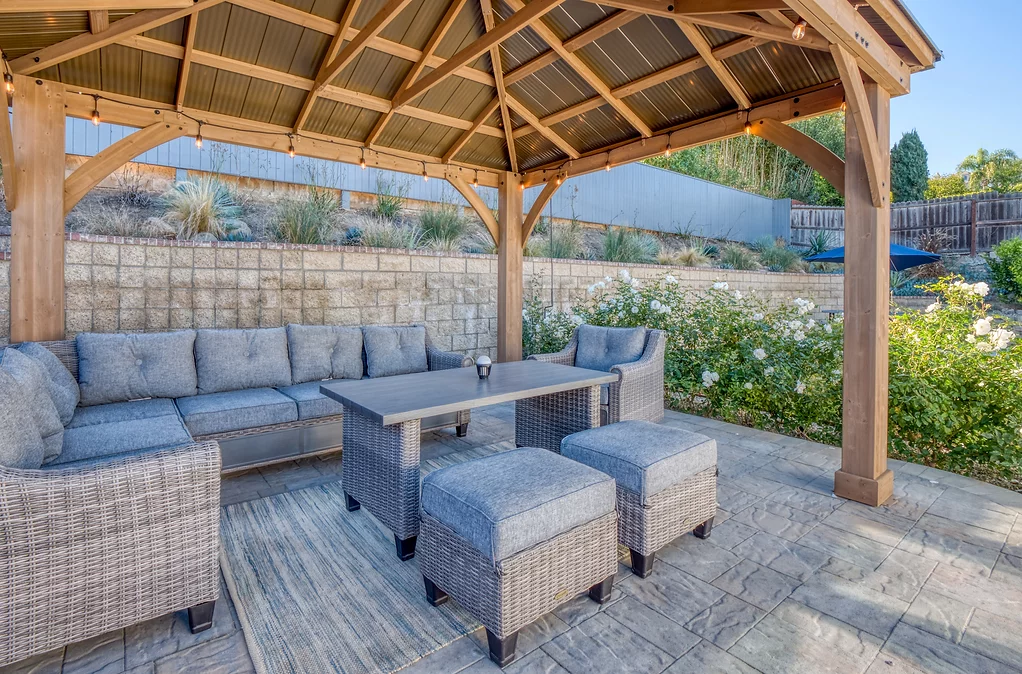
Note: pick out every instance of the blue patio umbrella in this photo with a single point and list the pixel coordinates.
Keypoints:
(902, 257)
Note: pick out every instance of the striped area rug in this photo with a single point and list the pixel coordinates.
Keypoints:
(319, 589)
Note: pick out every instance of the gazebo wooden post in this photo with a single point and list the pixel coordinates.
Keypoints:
(509, 268)
(864, 476)
(37, 221)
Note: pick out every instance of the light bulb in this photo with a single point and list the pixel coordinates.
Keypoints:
(362, 163)
(521, 187)
(607, 166)
(475, 181)
(559, 180)
(9, 83)
(198, 141)
(95, 117)
(799, 30)
(291, 150)
(844, 105)
(425, 178)
(667, 152)
(748, 129)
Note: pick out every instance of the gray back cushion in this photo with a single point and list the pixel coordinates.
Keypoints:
(603, 348)
(62, 385)
(115, 368)
(32, 378)
(21, 446)
(324, 352)
(395, 350)
(230, 360)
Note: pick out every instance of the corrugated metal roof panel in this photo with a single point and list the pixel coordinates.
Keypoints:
(200, 86)
(552, 89)
(485, 151)
(22, 34)
(466, 29)
(755, 75)
(173, 32)
(534, 150)
(83, 71)
(588, 132)
(289, 102)
(309, 53)
(416, 23)
(245, 34)
(158, 77)
(211, 28)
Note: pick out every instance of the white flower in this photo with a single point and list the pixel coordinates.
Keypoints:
(827, 328)
(625, 276)
(769, 370)
(933, 307)
(810, 324)
(608, 279)
(636, 283)
(981, 289)
(738, 294)
(655, 305)
(709, 378)
(590, 290)
(620, 314)
(577, 320)
(635, 310)
(1001, 338)
(985, 347)
(757, 317)
(799, 335)
(603, 306)
(525, 313)
(748, 386)
(971, 339)
(721, 285)
(804, 306)
(760, 354)
(800, 387)
(670, 279)
(982, 327)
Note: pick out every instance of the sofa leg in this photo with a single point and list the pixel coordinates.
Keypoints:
(405, 547)
(703, 530)
(200, 617)
(462, 430)
(502, 651)
(600, 593)
(351, 504)
(434, 595)
(642, 565)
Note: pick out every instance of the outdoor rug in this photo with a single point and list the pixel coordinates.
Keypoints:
(319, 589)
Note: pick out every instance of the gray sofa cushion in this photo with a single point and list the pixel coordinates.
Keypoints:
(127, 411)
(34, 382)
(511, 501)
(62, 385)
(114, 368)
(311, 403)
(21, 446)
(395, 350)
(84, 443)
(643, 457)
(236, 410)
(603, 348)
(231, 360)
(324, 352)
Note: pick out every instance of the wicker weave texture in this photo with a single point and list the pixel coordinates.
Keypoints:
(516, 591)
(666, 515)
(96, 548)
(544, 421)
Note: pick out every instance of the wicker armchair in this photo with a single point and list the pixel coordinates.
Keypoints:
(639, 391)
(89, 549)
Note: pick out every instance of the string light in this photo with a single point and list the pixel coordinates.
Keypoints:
(844, 105)
(799, 30)
(425, 178)
(95, 112)
(667, 152)
(521, 186)
(362, 159)
(9, 83)
(748, 128)
(291, 146)
(475, 181)
(559, 179)
(198, 137)
(606, 166)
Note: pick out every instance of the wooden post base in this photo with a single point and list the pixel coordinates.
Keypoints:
(863, 489)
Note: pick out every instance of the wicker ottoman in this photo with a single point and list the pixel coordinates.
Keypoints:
(513, 535)
(666, 482)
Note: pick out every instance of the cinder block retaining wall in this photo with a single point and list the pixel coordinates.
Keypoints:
(124, 285)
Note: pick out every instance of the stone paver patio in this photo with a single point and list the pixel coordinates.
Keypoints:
(791, 579)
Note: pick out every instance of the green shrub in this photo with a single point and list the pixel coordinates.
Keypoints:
(370, 230)
(442, 227)
(621, 244)
(306, 219)
(390, 199)
(820, 242)
(778, 257)
(203, 207)
(120, 220)
(1006, 268)
(544, 330)
(733, 256)
(684, 257)
(562, 242)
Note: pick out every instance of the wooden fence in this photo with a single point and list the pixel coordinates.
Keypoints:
(973, 224)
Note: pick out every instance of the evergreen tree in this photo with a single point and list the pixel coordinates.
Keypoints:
(909, 172)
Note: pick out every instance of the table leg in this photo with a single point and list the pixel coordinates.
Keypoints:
(380, 470)
(544, 421)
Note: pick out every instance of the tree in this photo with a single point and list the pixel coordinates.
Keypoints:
(909, 171)
(999, 171)
(946, 185)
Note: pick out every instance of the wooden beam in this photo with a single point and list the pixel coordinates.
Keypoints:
(537, 209)
(816, 155)
(108, 160)
(477, 124)
(99, 20)
(776, 18)
(723, 6)
(906, 30)
(864, 476)
(186, 61)
(330, 68)
(862, 116)
(842, 24)
(37, 222)
(477, 204)
(542, 128)
(509, 269)
(748, 25)
(585, 72)
(7, 159)
(726, 77)
(86, 42)
(798, 105)
(434, 41)
(520, 19)
(16, 6)
(498, 77)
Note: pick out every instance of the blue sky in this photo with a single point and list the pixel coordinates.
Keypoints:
(973, 97)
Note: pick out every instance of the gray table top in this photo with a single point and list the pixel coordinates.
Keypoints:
(392, 400)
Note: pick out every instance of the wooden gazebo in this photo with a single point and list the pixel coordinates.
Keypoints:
(503, 93)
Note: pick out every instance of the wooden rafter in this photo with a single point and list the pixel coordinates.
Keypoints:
(185, 67)
(585, 72)
(332, 67)
(903, 27)
(776, 18)
(477, 204)
(427, 53)
(86, 42)
(527, 15)
(721, 6)
(99, 20)
(13, 6)
(537, 209)
(477, 124)
(859, 111)
(726, 77)
(498, 77)
(809, 150)
(542, 128)
(7, 158)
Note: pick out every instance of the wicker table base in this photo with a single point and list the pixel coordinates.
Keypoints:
(544, 421)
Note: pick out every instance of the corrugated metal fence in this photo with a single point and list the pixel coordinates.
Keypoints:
(972, 224)
(633, 195)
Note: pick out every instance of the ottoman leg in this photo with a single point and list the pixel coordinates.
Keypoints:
(200, 617)
(600, 593)
(502, 651)
(642, 565)
(434, 595)
(703, 530)
(351, 504)
(462, 430)
(405, 547)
